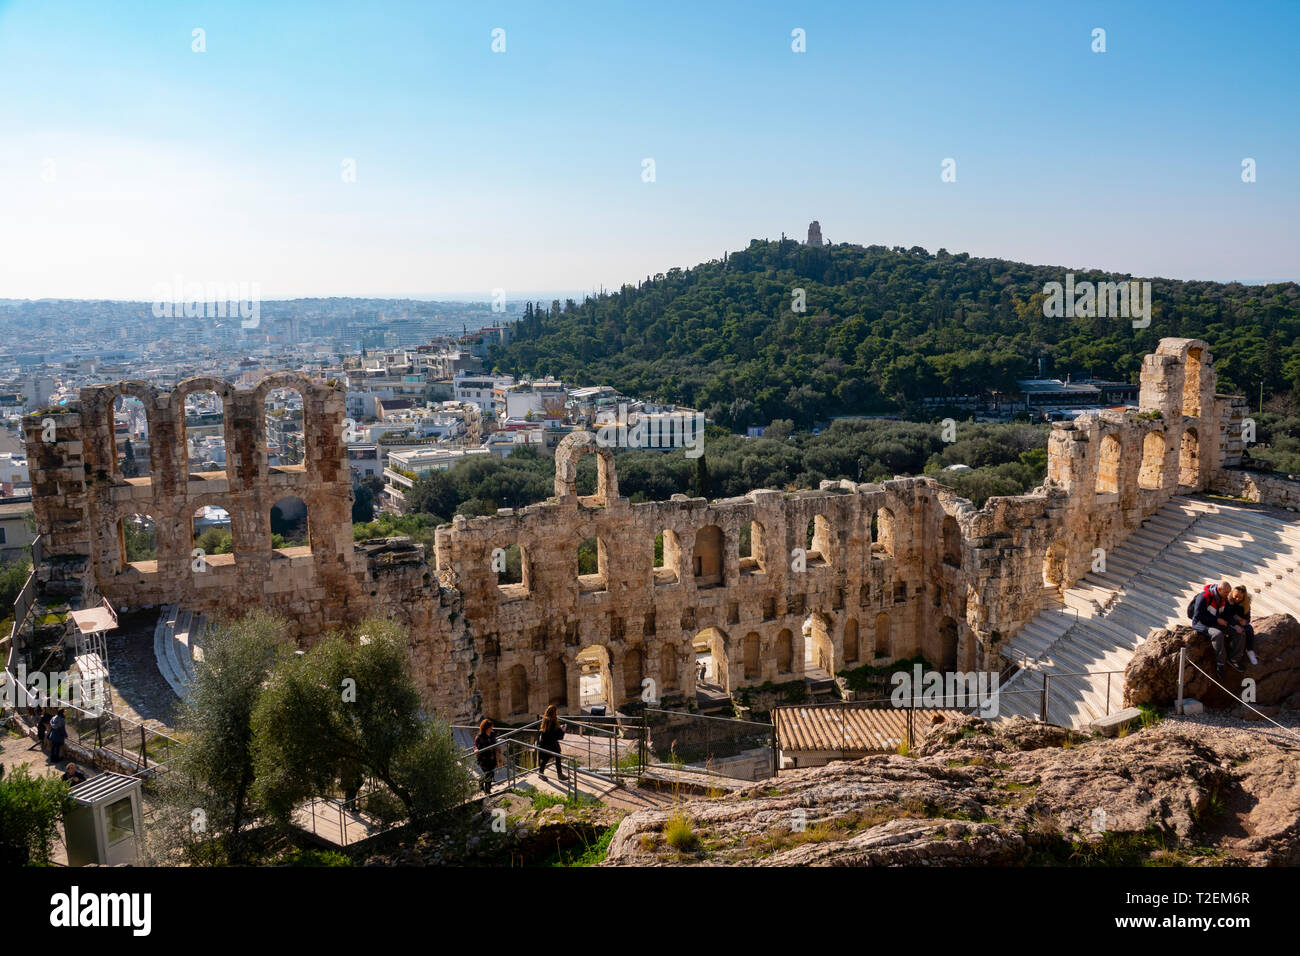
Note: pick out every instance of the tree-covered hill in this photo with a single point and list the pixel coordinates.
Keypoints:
(882, 328)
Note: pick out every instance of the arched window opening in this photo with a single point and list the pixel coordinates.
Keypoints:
(138, 537)
(591, 566)
(213, 542)
(668, 557)
(205, 435)
(290, 527)
(285, 439)
(753, 663)
(1108, 465)
(882, 635)
(1152, 473)
(518, 690)
(753, 559)
(818, 541)
(595, 677)
(707, 557)
(882, 533)
(130, 437)
(557, 683)
(512, 571)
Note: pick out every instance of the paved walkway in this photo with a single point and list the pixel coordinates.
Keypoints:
(14, 751)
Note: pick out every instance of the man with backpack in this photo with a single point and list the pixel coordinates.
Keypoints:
(1206, 611)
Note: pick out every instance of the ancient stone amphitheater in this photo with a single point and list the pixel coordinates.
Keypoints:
(1154, 496)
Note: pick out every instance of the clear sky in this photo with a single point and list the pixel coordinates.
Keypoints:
(127, 159)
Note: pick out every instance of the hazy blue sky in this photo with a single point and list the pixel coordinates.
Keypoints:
(523, 169)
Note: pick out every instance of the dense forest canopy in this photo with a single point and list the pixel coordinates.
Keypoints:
(882, 328)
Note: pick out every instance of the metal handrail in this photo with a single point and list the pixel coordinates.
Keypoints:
(25, 698)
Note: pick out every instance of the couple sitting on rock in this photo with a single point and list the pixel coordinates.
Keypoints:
(1223, 612)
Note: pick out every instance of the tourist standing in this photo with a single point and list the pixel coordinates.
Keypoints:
(58, 734)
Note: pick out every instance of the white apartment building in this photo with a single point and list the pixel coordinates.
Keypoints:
(480, 389)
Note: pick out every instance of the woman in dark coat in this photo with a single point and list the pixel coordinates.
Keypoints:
(549, 742)
(485, 753)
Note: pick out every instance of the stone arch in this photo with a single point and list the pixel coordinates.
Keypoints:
(567, 455)
(225, 392)
(257, 397)
(517, 690)
(882, 635)
(147, 396)
(557, 682)
(1189, 460)
(785, 652)
(707, 561)
(883, 531)
(633, 672)
(289, 437)
(1152, 474)
(752, 656)
(1108, 459)
(595, 658)
(819, 647)
(952, 546)
(851, 641)
(718, 647)
(670, 673)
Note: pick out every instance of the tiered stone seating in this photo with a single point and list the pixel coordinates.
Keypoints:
(175, 646)
(1147, 584)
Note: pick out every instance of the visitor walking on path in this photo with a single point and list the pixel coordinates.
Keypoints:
(485, 753)
(549, 742)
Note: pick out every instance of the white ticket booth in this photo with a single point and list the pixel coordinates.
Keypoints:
(107, 823)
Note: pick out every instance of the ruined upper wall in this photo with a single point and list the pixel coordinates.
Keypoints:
(879, 571)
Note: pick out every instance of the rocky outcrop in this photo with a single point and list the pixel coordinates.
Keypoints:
(1020, 794)
(1152, 675)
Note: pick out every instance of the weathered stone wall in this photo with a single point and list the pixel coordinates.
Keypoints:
(1278, 491)
(892, 570)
